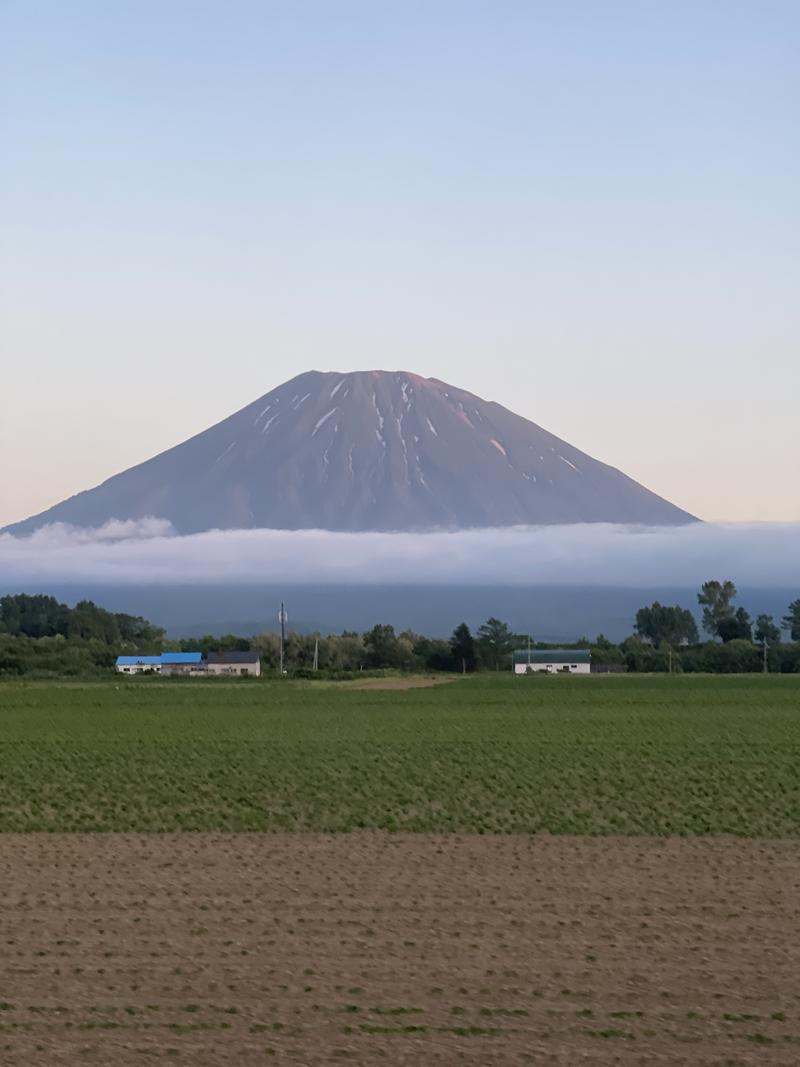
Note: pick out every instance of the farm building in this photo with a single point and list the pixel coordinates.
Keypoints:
(553, 661)
(234, 663)
(182, 663)
(138, 664)
(166, 663)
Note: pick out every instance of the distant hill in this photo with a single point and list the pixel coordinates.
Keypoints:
(374, 450)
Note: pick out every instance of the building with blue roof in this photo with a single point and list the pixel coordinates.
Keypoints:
(130, 664)
(166, 663)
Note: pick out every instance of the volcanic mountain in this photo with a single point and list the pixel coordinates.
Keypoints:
(373, 450)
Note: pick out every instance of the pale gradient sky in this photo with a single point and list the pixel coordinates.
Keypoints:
(585, 211)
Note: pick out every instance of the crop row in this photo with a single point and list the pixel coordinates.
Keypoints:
(580, 756)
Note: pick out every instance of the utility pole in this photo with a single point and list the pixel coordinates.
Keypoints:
(316, 654)
(766, 661)
(282, 617)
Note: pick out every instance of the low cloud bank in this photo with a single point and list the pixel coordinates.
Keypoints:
(148, 552)
(58, 534)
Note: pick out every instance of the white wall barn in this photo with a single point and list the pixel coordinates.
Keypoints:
(553, 661)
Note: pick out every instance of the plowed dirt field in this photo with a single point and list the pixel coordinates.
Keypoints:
(371, 948)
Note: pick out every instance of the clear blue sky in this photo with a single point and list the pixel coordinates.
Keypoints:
(586, 211)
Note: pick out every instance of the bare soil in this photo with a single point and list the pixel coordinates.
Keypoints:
(421, 682)
(211, 949)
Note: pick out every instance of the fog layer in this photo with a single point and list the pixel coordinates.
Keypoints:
(148, 552)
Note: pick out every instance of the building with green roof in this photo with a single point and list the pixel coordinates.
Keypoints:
(553, 660)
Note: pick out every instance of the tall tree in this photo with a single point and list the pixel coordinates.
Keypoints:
(791, 621)
(666, 625)
(495, 643)
(716, 600)
(380, 645)
(462, 648)
(766, 632)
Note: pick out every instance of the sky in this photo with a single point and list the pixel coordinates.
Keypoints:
(587, 212)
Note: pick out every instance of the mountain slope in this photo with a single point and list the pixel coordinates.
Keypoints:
(374, 450)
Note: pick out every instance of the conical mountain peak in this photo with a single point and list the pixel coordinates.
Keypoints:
(367, 450)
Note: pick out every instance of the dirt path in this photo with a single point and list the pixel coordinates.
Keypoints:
(210, 950)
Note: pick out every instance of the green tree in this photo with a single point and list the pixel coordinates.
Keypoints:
(406, 643)
(298, 650)
(494, 644)
(381, 649)
(209, 643)
(86, 620)
(135, 630)
(734, 657)
(716, 600)
(462, 648)
(33, 616)
(737, 627)
(766, 631)
(12, 655)
(788, 658)
(433, 654)
(343, 652)
(606, 652)
(267, 645)
(791, 621)
(643, 657)
(660, 624)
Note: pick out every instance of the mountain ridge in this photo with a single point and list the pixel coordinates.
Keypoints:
(367, 450)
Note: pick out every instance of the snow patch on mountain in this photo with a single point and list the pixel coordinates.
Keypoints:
(321, 422)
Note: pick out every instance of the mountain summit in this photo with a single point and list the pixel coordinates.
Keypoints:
(374, 450)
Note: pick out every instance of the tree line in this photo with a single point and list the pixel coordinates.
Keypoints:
(737, 642)
(380, 648)
(721, 619)
(39, 635)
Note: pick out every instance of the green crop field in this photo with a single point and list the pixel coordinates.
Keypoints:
(600, 755)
